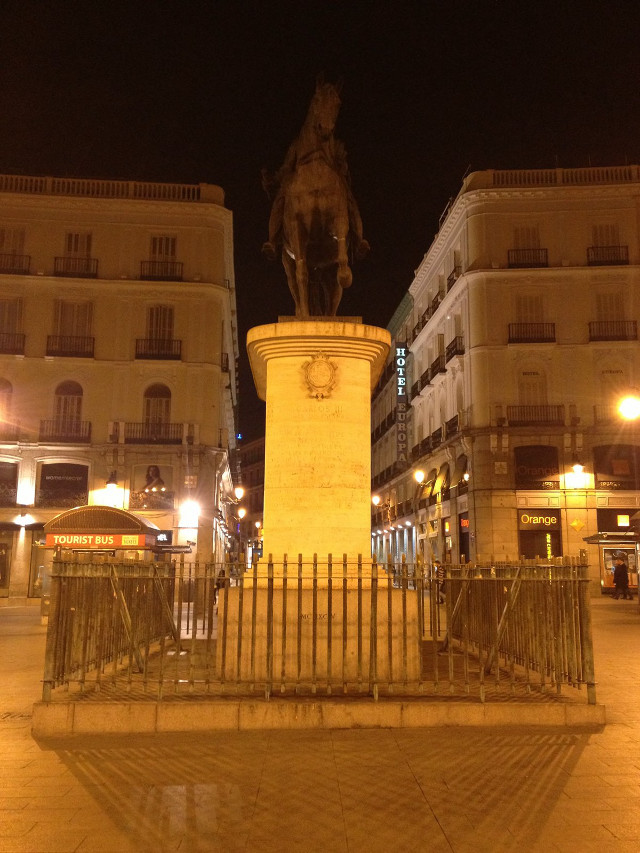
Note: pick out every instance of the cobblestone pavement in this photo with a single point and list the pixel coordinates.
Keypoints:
(439, 789)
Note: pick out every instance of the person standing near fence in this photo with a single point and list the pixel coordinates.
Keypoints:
(621, 577)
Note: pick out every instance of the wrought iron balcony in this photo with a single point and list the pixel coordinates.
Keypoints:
(425, 378)
(65, 430)
(451, 426)
(76, 267)
(613, 330)
(15, 264)
(415, 389)
(152, 433)
(70, 345)
(436, 437)
(437, 299)
(526, 258)
(607, 256)
(9, 432)
(161, 270)
(453, 276)
(425, 445)
(454, 347)
(438, 365)
(12, 343)
(532, 333)
(158, 348)
(526, 415)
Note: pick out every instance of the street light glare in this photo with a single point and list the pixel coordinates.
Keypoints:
(418, 476)
(375, 500)
(629, 407)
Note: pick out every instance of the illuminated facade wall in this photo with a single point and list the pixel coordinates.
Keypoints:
(523, 334)
(118, 347)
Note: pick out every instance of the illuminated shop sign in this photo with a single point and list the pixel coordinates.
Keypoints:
(401, 402)
(96, 540)
(537, 520)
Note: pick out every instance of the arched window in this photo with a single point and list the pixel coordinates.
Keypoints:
(67, 410)
(157, 405)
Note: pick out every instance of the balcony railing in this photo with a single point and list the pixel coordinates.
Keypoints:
(143, 433)
(453, 276)
(525, 258)
(525, 415)
(65, 430)
(161, 270)
(613, 330)
(607, 256)
(415, 389)
(12, 343)
(436, 437)
(454, 347)
(158, 348)
(70, 346)
(76, 267)
(437, 299)
(438, 365)
(15, 264)
(532, 333)
(425, 378)
(451, 426)
(9, 432)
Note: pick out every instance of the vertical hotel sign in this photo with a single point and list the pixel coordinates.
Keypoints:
(401, 402)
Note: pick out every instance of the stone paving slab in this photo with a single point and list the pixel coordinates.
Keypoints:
(463, 789)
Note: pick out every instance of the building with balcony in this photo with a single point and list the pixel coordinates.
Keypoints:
(250, 457)
(520, 328)
(118, 348)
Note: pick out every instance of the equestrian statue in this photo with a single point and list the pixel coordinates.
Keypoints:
(315, 220)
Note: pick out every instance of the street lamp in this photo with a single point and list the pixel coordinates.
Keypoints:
(629, 406)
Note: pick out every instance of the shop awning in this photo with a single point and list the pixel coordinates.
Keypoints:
(98, 527)
(460, 470)
(427, 485)
(442, 481)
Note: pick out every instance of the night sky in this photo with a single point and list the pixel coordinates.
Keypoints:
(215, 91)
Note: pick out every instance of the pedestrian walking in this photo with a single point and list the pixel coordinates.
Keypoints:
(621, 577)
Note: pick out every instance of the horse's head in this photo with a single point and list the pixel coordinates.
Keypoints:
(324, 109)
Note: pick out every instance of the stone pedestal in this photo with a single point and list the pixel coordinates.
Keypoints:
(316, 377)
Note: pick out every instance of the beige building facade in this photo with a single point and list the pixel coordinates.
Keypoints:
(118, 348)
(521, 330)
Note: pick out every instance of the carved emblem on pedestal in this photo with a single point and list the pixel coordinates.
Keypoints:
(320, 375)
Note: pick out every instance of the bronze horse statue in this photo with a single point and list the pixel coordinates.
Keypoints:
(314, 217)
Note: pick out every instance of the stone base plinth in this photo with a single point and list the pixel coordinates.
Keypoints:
(304, 636)
(316, 377)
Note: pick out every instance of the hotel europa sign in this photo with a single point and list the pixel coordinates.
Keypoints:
(401, 402)
(99, 541)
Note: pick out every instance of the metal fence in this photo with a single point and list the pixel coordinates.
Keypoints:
(187, 629)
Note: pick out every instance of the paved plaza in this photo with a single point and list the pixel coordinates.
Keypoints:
(432, 789)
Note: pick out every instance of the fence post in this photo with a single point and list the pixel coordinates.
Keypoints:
(52, 638)
(586, 638)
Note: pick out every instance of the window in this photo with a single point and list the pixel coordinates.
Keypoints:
(526, 237)
(160, 323)
(10, 316)
(68, 406)
(607, 234)
(6, 391)
(532, 388)
(610, 305)
(157, 405)
(11, 241)
(73, 318)
(77, 244)
(163, 247)
(529, 308)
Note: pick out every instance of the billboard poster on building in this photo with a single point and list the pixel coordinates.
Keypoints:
(616, 467)
(536, 467)
(152, 487)
(63, 484)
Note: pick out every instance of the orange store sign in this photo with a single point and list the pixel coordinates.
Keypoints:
(96, 540)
